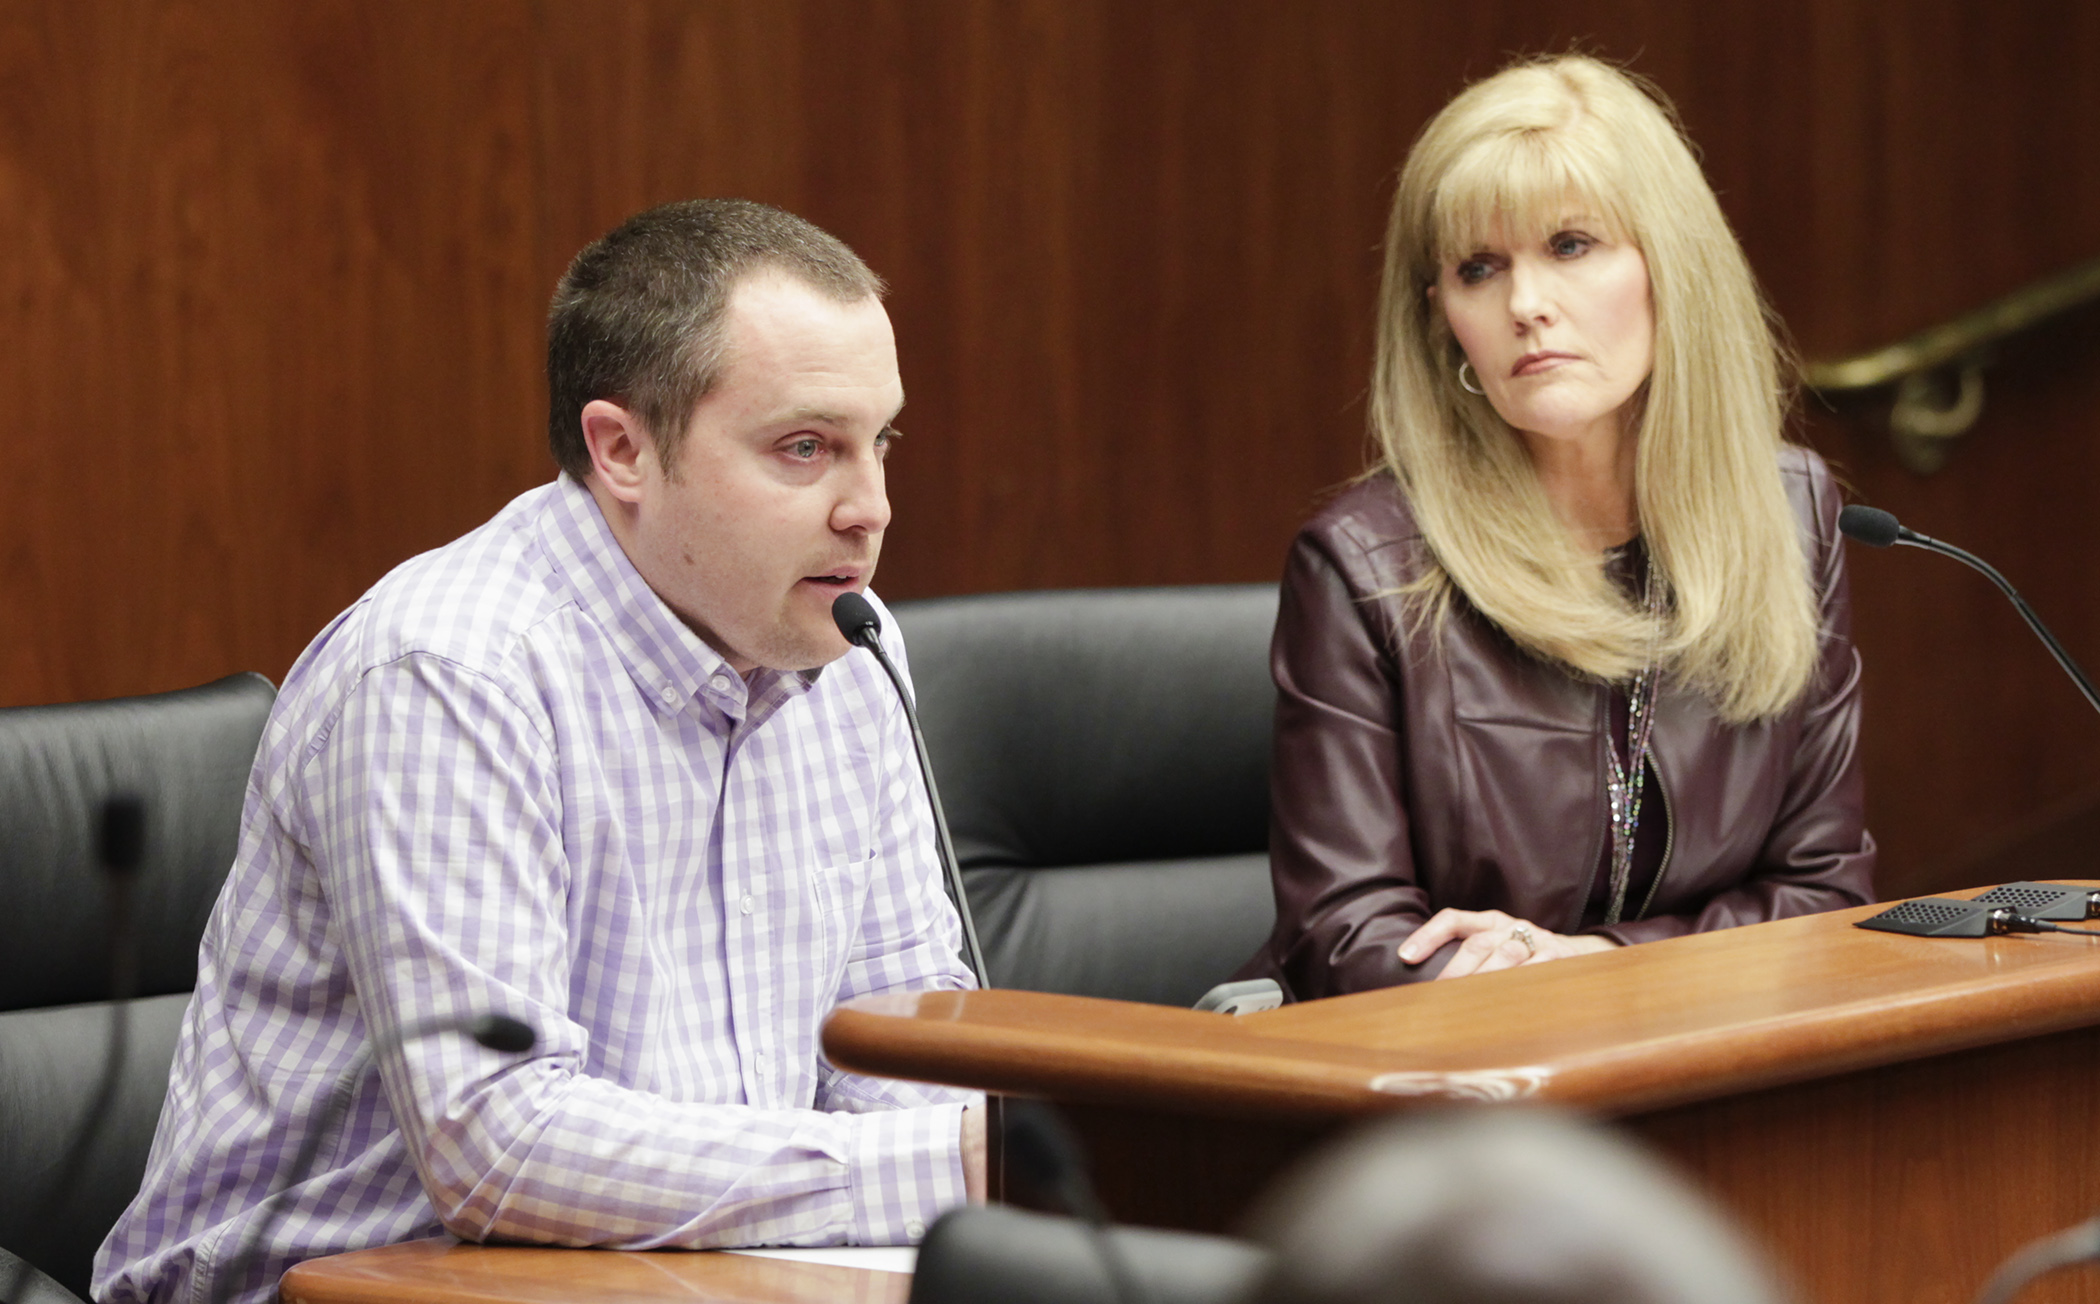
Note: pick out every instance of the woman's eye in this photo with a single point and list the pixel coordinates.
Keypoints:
(1570, 245)
(1473, 271)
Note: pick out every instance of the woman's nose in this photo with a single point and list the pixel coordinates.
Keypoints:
(1530, 299)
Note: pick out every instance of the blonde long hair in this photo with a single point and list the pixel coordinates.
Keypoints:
(1740, 626)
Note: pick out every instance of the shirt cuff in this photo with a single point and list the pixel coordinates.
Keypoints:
(906, 1171)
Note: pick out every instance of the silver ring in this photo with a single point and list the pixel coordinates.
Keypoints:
(1522, 932)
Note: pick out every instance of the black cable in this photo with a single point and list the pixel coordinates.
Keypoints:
(2046, 927)
(2005, 920)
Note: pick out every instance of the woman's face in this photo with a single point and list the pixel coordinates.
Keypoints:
(1559, 329)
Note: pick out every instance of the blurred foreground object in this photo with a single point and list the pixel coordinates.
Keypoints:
(2064, 1249)
(1499, 1207)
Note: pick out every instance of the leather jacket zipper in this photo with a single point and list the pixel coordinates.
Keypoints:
(1600, 850)
(1669, 839)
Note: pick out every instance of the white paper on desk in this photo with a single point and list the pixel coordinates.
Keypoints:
(874, 1258)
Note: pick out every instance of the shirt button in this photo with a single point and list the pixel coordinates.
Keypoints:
(748, 904)
(719, 679)
(670, 697)
(915, 1229)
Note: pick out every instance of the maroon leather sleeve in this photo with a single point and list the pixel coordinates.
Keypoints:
(1346, 890)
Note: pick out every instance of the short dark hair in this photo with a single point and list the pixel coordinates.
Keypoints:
(638, 317)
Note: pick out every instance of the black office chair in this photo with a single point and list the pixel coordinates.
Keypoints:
(1104, 757)
(186, 755)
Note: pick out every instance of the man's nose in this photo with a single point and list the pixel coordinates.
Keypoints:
(864, 501)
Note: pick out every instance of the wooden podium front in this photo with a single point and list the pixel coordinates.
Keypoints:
(1892, 1115)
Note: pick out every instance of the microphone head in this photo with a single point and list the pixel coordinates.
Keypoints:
(501, 1032)
(120, 841)
(856, 619)
(1869, 525)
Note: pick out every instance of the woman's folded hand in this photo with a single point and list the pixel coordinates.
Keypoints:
(1491, 940)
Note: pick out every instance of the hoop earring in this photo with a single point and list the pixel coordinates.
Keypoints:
(1465, 365)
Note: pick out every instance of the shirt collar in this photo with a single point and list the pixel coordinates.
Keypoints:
(668, 662)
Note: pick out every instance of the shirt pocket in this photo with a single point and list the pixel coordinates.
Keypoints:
(835, 919)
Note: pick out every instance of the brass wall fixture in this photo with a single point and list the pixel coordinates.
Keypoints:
(1938, 373)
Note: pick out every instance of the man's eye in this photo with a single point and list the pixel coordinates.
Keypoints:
(805, 449)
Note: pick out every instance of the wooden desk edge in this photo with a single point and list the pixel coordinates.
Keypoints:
(1110, 1052)
(443, 1271)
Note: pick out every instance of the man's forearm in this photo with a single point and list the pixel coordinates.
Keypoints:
(538, 1155)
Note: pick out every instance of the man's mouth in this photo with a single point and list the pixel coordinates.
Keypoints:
(840, 580)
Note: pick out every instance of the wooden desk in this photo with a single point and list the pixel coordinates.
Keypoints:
(444, 1272)
(1892, 1115)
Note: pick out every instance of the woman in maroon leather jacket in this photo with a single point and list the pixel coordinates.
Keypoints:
(1573, 667)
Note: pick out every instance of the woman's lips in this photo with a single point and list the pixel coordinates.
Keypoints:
(1533, 363)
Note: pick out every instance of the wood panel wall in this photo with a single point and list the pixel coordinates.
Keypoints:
(272, 274)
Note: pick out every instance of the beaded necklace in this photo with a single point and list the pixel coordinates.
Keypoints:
(1623, 782)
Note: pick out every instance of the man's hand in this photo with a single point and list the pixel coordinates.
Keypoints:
(973, 1154)
(1492, 940)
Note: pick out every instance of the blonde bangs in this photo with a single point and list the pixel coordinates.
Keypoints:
(1521, 187)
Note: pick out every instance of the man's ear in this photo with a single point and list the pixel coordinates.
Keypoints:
(621, 449)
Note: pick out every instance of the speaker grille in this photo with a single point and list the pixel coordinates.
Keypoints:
(1927, 912)
(2026, 896)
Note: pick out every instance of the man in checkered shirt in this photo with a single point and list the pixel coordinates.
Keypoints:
(605, 765)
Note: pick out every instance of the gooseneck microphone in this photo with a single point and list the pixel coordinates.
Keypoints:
(497, 1032)
(2012, 907)
(857, 620)
(1879, 529)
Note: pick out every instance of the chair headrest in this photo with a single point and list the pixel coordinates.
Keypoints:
(1094, 725)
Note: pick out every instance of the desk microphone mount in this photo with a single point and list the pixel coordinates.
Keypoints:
(2006, 909)
(1938, 917)
(2057, 901)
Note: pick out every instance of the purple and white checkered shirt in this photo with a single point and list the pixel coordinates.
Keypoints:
(510, 779)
